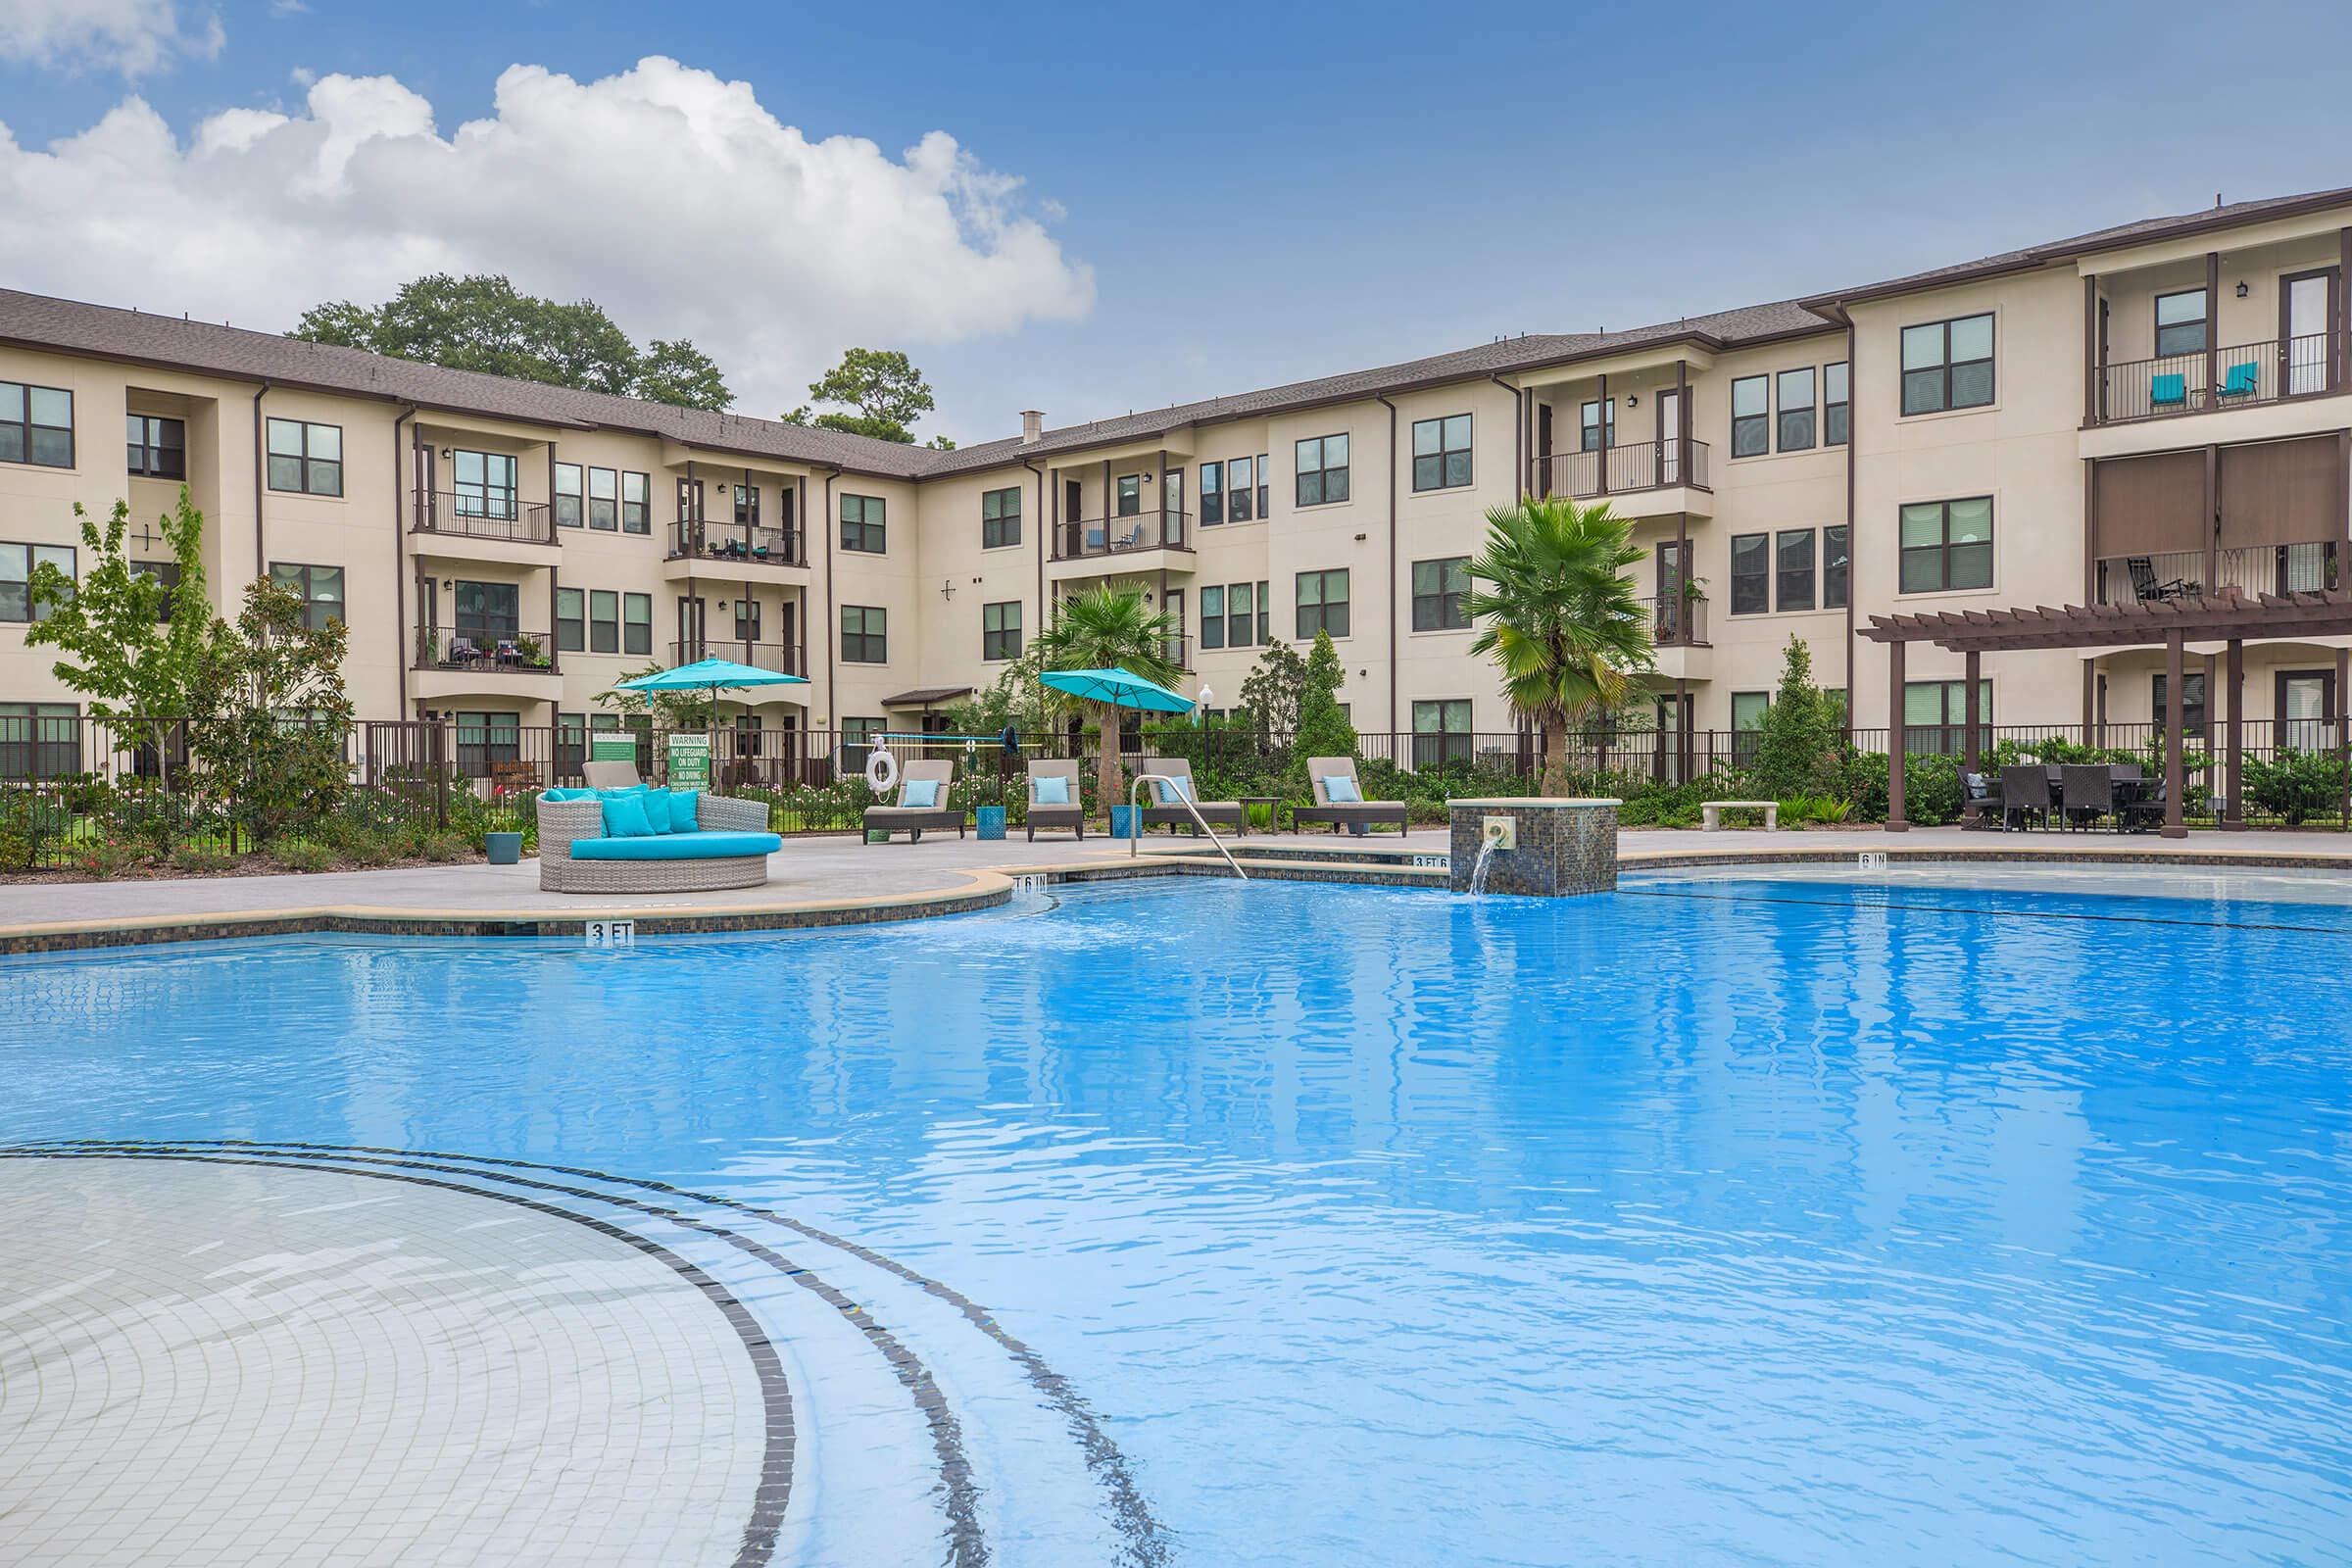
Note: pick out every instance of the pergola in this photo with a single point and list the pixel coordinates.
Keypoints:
(2229, 617)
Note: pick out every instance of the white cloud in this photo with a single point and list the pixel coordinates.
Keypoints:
(133, 36)
(670, 197)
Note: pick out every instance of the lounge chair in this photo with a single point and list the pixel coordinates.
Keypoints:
(1169, 811)
(609, 775)
(1324, 771)
(2087, 792)
(583, 850)
(2024, 793)
(922, 802)
(1070, 811)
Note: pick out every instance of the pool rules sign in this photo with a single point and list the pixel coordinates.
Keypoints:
(689, 761)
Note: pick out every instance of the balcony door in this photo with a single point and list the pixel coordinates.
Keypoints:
(1667, 620)
(2306, 312)
(1670, 437)
(487, 613)
(691, 623)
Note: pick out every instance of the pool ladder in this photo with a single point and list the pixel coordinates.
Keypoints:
(1134, 801)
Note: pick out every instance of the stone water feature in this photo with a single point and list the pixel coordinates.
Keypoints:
(1547, 848)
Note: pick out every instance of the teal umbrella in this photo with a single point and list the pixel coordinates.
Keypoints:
(1117, 687)
(714, 675)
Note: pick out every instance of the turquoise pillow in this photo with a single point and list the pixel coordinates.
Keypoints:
(1172, 792)
(1052, 789)
(921, 793)
(625, 818)
(683, 817)
(1340, 790)
(657, 809)
(568, 794)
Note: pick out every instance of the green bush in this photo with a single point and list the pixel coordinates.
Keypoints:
(202, 860)
(2296, 786)
(302, 854)
(443, 848)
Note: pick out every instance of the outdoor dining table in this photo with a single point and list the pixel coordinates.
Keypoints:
(2128, 783)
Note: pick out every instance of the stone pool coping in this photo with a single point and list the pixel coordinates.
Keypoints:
(1367, 863)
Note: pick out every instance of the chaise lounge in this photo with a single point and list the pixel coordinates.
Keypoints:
(1169, 813)
(607, 841)
(922, 804)
(1055, 798)
(1339, 798)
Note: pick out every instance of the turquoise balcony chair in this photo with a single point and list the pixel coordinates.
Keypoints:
(2240, 381)
(2168, 392)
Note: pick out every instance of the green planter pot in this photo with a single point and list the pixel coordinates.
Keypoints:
(1122, 821)
(506, 849)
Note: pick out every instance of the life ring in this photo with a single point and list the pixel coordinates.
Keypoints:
(881, 771)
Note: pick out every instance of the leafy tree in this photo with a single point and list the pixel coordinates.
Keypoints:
(885, 388)
(1323, 729)
(1560, 615)
(1800, 743)
(483, 323)
(1015, 701)
(133, 646)
(1108, 627)
(683, 710)
(273, 719)
(1275, 689)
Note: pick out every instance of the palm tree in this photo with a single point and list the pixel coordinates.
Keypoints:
(1108, 627)
(1561, 616)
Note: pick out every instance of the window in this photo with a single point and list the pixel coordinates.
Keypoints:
(1597, 425)
(1322, 470)
(1747, 725)
(487, 611)
(571, 506)
(2306, 699)
(1947, 365)
(306, 458)
(321, 588)
(863, 527)
(1752, 574)
(1236, 616)
(15, 576)
(2192, 703)
(2181, 324)
(1793, 568)
(1836, 405)
(1441, 732)
(999, 519)
(1131, 494)
(1001, 630)
(1240, 490)
(571, 621)
(1213, 493)
(637, 624)
(1442, 453)
(39, 740)
(636, 503)
(484, 483)
(1947, 545)
(1795, 393)
(1752, 416)
(486, 740)
(747, 506)
(604, 621)
(158, 448)
(860, 733)
(604, 492)
(864, 634)
(1834, 561)
(1266, 478)
(1936, 715)
(37, 424)
(1440, 594)
(747, 620)
(1240, 625)
(1212, 618)
(1322, 603)
(165, 572)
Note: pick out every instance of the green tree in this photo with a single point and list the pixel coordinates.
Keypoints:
(1108, 627)
(1323, 728)
(1800, 743)
(686, 710)
(133, 647)
(1561, 617)
(1275, 689)
(883, 386)
(1014, 700)
(273, 721)
(483, 323)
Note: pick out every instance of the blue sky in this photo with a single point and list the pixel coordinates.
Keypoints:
(1279, 191)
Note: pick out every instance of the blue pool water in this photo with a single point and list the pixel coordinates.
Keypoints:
(1718, 1221)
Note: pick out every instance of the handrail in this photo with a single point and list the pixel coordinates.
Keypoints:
(1135, 804)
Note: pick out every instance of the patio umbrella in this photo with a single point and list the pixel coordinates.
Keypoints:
(1117, 687)
(714, 675)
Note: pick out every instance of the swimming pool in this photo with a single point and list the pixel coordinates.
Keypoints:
(1723, 1219)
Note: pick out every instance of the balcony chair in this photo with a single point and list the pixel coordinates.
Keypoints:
(2241, 380)
(463, 650)
(2144, 585)
(2168, 392)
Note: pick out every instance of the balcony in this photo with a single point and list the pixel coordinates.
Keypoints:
(706, 539)
(785, 659)
(1122, 535)
(1621, 469)
(2263, 371)
(481, 650)
(2251, 570)
(492, 514)
(1676, 623)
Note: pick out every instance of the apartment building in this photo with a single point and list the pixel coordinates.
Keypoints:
(2152, 409)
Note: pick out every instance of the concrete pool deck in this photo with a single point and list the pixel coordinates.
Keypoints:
(838, 880)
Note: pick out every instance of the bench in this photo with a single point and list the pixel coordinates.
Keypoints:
(1710, 813)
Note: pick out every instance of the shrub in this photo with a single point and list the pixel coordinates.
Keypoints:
(302, 854)
(103, 857)
(443, 848)
(2296, 786)
(1799, 745)
(202, 860)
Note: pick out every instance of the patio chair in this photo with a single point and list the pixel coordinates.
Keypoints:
(2240, 381)
(1051, 777)
(922, 802)
(2025, 792)
(2168, 392)
(2144, 810)
(2087, 792)
(463, 650)
(2144, 585)
(1170, 812)
(1343, 805)
(1979, 806)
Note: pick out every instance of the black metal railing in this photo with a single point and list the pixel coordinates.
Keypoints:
(737, 543)
(2248, 569)
(484, 515)
(2250, 372)
(1676, 623)
(488, 649)
(1621, 469)
(785, 659)
(1163, 530)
